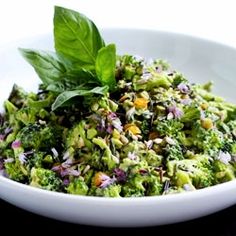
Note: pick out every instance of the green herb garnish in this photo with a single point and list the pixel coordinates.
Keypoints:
(81, 65)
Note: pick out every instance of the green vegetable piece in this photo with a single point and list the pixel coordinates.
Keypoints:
(36, 160)
(207, 95)
(16, 171)
(77, 137)
(182, 178)
(139, 185)
(10, 108)
(208, 86)
(100, 142)
(39, 104)
(196, 172)
(111, 191)
(91, 133)
(76, 37)
(26, 115)
(117, 142)
(47, 65)
(223, 172)
(152, 158)
(45, 179)
(168, 127)
(129, 72)
(106, 66)
(178, 79)
(190, 114)
(78, 187)
(173, 152)
(17, 96)
(67, 95)
(33, 136)
(108, 158)
(209, 141)
(154, 82)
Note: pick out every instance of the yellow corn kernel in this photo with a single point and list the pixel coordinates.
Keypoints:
(141, 103)
(98, 178)
(132, 128)
(207, 123)
(204, 106)
(184, 96)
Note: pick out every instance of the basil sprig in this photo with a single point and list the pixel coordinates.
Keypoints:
(81, 65)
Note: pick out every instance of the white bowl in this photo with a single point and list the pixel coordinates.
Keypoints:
(200, 61)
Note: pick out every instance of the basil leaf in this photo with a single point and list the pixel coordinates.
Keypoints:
(60, 86)
(76, 37)
(80, 75)
(106, 65)
(55, 71)
(68, 85)
(67, 95)
(47, 65)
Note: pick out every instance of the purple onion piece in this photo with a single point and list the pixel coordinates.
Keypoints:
(120, 175)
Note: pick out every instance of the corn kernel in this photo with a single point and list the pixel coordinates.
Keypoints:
(207, 123)
(132, 128)
(141, 103)
(98, 178)
(204, 106)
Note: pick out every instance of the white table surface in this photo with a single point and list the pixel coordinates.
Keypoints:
(211, 19)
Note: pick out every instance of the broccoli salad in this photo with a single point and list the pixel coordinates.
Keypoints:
(113, 126)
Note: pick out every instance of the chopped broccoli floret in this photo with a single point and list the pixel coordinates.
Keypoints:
(17, 96)
(16, 171)
(142, 185)
(168, 127)
(26, 116)
(173, 152)
(178, 79)
(45, 179)
(77, 137)
(35, 136)
(111, 191)
(108, 158)
(196, 172)
(78, 186)
(191, 114)
(39, 159)
(154, 82)
(223, 172)
(152, 158)
(207, 141)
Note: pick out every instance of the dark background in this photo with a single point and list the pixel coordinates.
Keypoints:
(222, 223)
